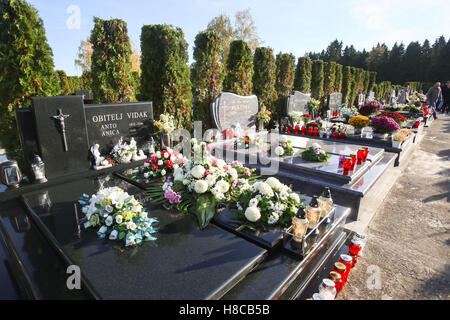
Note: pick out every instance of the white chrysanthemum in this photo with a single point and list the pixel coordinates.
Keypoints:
(252, 188)
(294, 197)
(274, 183)
(283, 196)
(198, 172)
(279, 151)
(316, 146)
(253, 203)
(223, 186)
(233, 173)
(273, 218)
(264, 189)
(283, 139)
(258, 197)
(252, 214)
(201, 186)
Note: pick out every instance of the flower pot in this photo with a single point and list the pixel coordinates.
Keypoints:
(166, 140)
(380, 136)
(260, 125)
(396, 144)
(358, 131)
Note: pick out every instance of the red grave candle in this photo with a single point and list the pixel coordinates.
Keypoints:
(303, 130)
(353, 156)
(297, 129)
(289, 130)
(347, 261)
(355, 247)
(316, 132)
(337, 278)
(360, 156)
(347, 165)
(341, 269)
(342, 136)
(366, 153)
(336, 135)
(310, 131)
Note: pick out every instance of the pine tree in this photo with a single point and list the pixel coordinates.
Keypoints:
(111, 62)
(346, 84)
(329, 84)
(239, 69)
(264, 77)
(317, 79)
(207, 75)
(338, 81)
(165, 77)
(302, 81)
(26, 68)
(285, 63)
(63, 82)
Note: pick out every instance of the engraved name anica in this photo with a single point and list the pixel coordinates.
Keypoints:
(110, 128)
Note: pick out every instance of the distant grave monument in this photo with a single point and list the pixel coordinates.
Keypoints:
(298, 102)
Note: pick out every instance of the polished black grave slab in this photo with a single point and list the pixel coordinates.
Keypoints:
(184, 262)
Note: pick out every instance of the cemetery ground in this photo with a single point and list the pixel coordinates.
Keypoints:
(409, 238)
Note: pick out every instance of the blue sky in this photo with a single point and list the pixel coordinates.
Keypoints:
(294, 26)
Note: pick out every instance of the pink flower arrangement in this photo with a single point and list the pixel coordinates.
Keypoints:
(172, 196)
(384, 125)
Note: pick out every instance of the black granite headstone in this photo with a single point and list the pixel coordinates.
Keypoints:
(298, 102)
(230, 109)
(63, 144)
(106, 123)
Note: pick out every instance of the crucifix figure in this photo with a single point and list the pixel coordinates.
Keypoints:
(62, 127)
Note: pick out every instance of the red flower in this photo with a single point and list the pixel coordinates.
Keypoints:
(307, 116)
(154, 159)
(155, 167)
(169, 164)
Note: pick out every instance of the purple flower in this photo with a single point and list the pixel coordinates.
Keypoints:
(172, 196)
(385, 124)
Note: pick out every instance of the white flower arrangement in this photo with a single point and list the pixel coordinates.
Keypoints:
(118, 216)
(205, 179)
(267, 203)
(123, 152)
(166, 123)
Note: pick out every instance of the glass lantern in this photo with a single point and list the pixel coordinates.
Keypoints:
(10, 174)
(38, 168)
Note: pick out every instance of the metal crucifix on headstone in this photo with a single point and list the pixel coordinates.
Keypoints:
(60, 117)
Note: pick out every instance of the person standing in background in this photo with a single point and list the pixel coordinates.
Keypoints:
(433, 95)
(403, 97)
(446, 97)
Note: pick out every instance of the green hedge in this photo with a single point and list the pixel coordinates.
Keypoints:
(26, 68)
(317, 80)
(239, 69)
(329, 84)
(338, 81)
(112, 80)
(63, 83)
(346, 84)
(165, 77)
(285, 63)
(207, 75)
(382, 91)
(303, 75)
(372, 81)
(264, 77)
(366, 81)
(353, 86)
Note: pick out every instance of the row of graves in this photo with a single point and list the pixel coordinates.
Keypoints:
(233, 213)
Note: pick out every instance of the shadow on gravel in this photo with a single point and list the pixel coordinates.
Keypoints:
(444, 185)
(438, 286)
(444, 153)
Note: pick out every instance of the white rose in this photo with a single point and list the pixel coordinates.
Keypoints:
(233, 173)
(279, 151)
(223, 186)
(166, 155)
(147, 164)
(146, 175)
(119, 219)
(160, 163)
(211, 180)
(283, 139)
(198, 172)
(163, 172)
(131, 226)
(144, 215)
(113, 235)
(295, 197)
(252, 214)
(201, 186)
(173, 158)
(158, 154)
(109, 221)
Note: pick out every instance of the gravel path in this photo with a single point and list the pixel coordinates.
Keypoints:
(408, 251)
